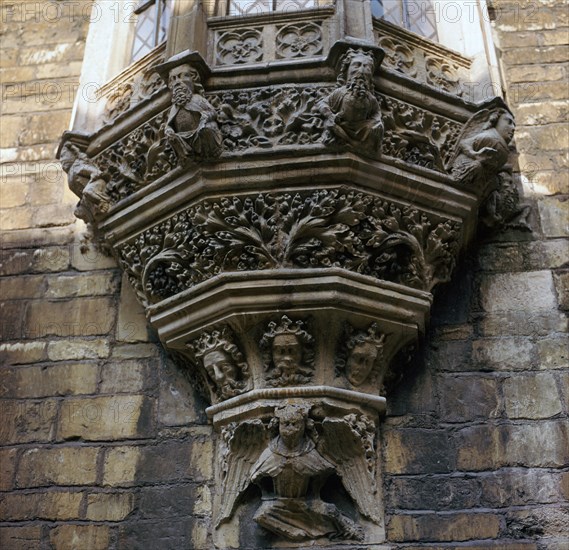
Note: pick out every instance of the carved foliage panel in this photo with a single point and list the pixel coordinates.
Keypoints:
(340, 228)
(133, 90)
(265, 118)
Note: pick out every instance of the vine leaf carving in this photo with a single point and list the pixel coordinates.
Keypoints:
(325, 228)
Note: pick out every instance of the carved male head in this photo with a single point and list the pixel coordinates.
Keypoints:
(292, 424)
(183, 80)
(222, 360)
(357, 69)
(364, 351)
(287, 352)
(220, 367)
(287, 345)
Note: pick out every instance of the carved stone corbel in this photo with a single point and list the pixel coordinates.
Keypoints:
(284, 233)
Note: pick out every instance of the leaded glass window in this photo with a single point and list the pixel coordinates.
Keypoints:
(416, 15)
(256, 7)
(151, 26)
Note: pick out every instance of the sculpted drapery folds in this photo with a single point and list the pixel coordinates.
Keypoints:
(351, 112)
(191, 127)
(291, 473)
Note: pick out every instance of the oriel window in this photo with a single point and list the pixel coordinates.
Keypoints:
(256, 7)
(152, 18)
(416, 15)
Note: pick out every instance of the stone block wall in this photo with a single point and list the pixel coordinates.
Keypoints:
(476, 442)
(104, 442)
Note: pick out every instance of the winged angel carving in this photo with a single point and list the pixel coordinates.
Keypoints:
(483, 149)
(292, 467)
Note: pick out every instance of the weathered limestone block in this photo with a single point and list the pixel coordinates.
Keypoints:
(109, 506)
(532, 396)
(26, 537)
(529, 291)
(27, 420)
(54, 506)
(120, 466)
(103, 418)
(77, 348)
(95, 537)
(444, 528)
(57, 466)
(47, 381)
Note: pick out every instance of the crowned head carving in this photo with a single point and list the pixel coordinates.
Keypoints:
(362, 354)
(287, 352)
(223, 362)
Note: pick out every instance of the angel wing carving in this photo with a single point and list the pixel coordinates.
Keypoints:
(347, 450)
(483, 148)
(472, 128)
(244, 444)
